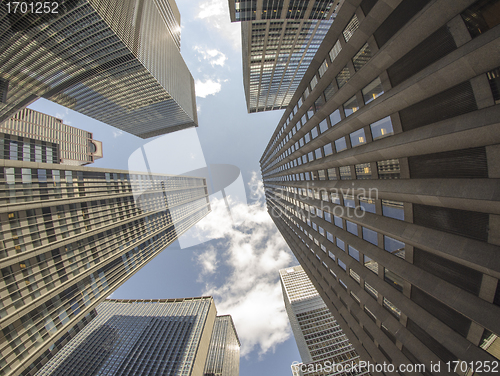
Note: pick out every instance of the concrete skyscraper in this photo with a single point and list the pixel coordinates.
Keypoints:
(279, 40)
(74, 146)
(117, 61)
(321, 342)
(70, 236)
(224, 354)
(382, 176)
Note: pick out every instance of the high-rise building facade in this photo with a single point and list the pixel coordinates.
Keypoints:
(75, 146)
(382, 176)
(279, 42)
(224, 353)
(116, 61)
(140, 338)
(323, 347)
(70, 236)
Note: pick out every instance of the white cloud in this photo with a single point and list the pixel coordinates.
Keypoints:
(208, 261)
(213, 56)
(117, 133)
(207, 87)
(251, 293)
(216, 14)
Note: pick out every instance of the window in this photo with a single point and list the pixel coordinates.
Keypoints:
(394, 246)
(340, 144)
(354, 276)
(337, 221)
(342, 264)
(335, 117)
(343, 76)
(332, 174)
(352, 227)
(382, 128)
(370, 264)
(331, 255)
(323, 126)
(395, 311)
(335, 51)
(393, 209)
(358, 137)
(372, 91)
(363, 171)
(354, 253)
(351, 106)
(370, 236)
(349, 201)
(345, 173)
(367, 204)
(371, 290)
(328, 150)
(340, 244)
(351, 27)
(393, 279)
(389, 169)
(362, 57)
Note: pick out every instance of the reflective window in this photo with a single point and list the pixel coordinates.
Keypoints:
(354, 253)
(393, 279)
(343, 76)
(363, 171)
(335, 117)
(382, 128)
(389, 169)
(340, 144)
(393, 209)
(358, 137)
(345, 173)
(351, 106)
(362, 57)
(394, 246)
(340, 244)
(370, 264)
(370, 235)
(372, 91)
(352, 227)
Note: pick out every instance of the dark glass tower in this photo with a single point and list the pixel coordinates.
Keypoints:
(140, 338)
(383, 177)
(224, 354)
(117, 61)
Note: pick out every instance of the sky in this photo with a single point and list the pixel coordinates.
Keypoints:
(233, 258)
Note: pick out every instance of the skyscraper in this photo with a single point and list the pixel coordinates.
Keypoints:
(141, 337)
(116, 61)
(71, 235)
(224, 353)
(382, 177)
(279, 41)
(75, 146)
(322, 344)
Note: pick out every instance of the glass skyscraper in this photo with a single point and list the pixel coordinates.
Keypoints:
(322, 344)
(224, 354)
(117, 61)
(382, 176)
(74, 146)
(140, 337)
(279, 43)
(70, 236)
